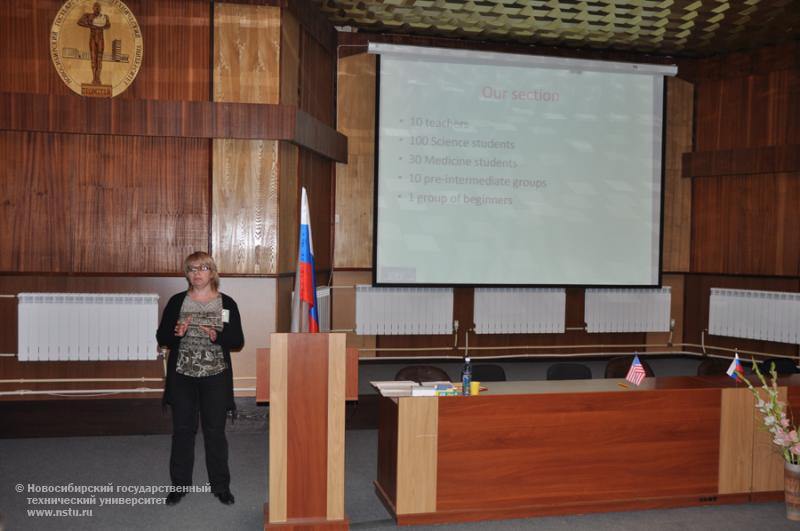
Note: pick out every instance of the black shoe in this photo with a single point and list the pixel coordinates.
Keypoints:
(174, 497)
(225, 497)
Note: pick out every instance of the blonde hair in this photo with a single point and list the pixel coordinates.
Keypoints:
(201, 258)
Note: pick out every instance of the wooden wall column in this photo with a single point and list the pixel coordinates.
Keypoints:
(244, 228)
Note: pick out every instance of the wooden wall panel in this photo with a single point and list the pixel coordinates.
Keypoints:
(25, 47)
(343, 308)
(244, 227)
(244, 221)
(288, 223)
(283, 304)
(289, 193)
(290, 60)
(741, 64)
(677, 190)
(697, 293)
(783, 158)
(676, 284)
(316, 174)
(749, 111)
(314, 22)
(141, 207)
(317, 80)
(176, 36)
(553, 342)
(354, 180)
(747, 122)
(746, 224)
(35, 204)
(177, 44)
(8, 316)
(92, 204)
(247, 41)
(161, 118)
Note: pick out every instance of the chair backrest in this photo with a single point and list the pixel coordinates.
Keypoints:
(569, 371)
(488, 372)
(783, 366)
(712, 367)
(422, 373)
(618, 367)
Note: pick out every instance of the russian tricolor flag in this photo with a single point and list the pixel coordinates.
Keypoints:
(735, 370)
(304, 300)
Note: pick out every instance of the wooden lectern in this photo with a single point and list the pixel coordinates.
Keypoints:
(306, 379)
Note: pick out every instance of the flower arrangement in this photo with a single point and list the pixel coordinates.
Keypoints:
(773, 413)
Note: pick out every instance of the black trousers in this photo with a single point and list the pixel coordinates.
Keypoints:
(207, 399)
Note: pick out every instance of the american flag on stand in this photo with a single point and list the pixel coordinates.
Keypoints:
(636, 373)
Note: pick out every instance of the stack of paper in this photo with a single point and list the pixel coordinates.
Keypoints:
(394, 388)
(409, 388)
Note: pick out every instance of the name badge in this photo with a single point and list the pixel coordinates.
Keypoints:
(226, 316)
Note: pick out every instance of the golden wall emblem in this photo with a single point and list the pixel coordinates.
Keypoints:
(96, 46)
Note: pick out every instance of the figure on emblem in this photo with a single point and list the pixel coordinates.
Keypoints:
(97, 23)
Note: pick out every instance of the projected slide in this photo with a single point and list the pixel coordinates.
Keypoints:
(517, 175)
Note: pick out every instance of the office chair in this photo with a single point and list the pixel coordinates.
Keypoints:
(569, 371)
(422, 373)
(488, 372)
(618, 367)
(712, 367)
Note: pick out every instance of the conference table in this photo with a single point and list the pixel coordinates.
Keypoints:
(529, 448)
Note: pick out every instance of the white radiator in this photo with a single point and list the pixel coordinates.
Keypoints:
(520, 310)
(324, 308)
(628, 310)
(766, 315)
(406, 311)
(87, 326)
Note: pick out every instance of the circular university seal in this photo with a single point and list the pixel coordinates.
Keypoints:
(96, 46)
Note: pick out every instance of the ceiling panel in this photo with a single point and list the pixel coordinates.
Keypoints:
(667, 27)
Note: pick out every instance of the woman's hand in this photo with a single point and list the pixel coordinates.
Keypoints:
(182, 326)
(212, 332)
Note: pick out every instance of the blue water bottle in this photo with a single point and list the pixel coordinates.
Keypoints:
(466, 377)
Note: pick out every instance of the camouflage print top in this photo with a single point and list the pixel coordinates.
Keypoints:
(198, 356)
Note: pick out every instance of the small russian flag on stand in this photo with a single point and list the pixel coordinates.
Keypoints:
(636, 373)
(735, 370)
(304, 299)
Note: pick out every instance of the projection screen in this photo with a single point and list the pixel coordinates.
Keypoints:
(498, 169)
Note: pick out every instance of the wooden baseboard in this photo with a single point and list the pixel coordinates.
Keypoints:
(74, 418)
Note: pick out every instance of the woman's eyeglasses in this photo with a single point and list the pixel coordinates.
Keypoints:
(197, 269)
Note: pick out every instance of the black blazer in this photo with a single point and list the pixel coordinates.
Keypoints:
(230, 338)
